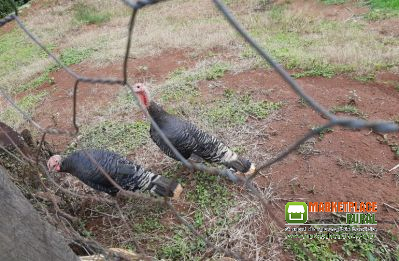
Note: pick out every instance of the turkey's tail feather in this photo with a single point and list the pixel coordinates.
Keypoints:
(165, 187)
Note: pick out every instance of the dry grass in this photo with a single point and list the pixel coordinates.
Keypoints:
(311, 42)
(298, 39)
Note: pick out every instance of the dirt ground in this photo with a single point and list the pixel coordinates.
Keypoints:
(325, 172)
(317, 177)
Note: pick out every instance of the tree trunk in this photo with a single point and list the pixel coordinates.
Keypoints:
(23, 234)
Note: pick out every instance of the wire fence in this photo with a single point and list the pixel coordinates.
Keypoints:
(247, 182)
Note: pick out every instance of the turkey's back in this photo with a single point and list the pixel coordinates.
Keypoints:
(87, 165)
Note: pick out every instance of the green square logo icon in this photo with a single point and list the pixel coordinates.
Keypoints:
(296, 212)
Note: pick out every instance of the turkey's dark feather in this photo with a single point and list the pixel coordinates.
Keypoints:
(188, 140)
(125, 173)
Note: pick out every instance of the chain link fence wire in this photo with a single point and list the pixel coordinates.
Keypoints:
(247, 182)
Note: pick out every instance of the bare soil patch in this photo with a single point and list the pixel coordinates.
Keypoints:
(320, 177)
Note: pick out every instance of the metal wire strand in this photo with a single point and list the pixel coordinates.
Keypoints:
(248, 183)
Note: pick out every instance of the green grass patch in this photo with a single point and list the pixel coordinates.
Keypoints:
(182, 246)
(75, 55)
(27, 104)
(215, 71)
(384, 4)
(43, 78)
(320, 249)
(212, 198)
(348, 109)
(359, 249)
(326, 71)
(333, 2)
(382, 9)
(319, 47)
(235, 110)
(121, 137)
(323, 132)
(182, 83)
(148, 225)
(366, 78)
(17, 51)
(88, 14)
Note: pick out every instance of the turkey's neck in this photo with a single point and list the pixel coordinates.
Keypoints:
(66, 166)
(144, 99)
(156, 111)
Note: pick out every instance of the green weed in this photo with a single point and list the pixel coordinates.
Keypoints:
(27, 104)
(235, 110)
(16, 51)
(88, 14)
(121, 137)
(75, 55)
(320, 249)
(209, 192)
(182, 84)
(216, 71)
(333, 2)
(326, 71)
(182, 247)
(382, 9)
(43, 78)
(384, 4)
(348, 109)
(323, 132)
(148, 225)
(366, 248)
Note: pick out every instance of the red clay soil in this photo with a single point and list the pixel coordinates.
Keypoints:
(57, 106)
(315, 178)
(319, 177)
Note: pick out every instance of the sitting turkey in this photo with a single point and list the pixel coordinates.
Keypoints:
(125, 173)
(188, 139)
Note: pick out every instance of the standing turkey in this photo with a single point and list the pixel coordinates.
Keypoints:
(188, 139)
(125, 173)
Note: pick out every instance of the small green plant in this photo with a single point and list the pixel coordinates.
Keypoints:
(397, 87)
(323, 132)
(216, 71)
(121, 137)
(43, 78)
(74, 55)
(181, 247)
(82, 227)
(316, 247)
(88, 14)
(27, 104)
(348, 109)
(326, 71)
(235, 110)
(366, 78)
(148, 225)
(382, 9)
(333, 2)
(16, 51)
(181, 84)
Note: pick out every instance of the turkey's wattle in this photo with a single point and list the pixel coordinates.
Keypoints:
(188, 139)
(125, 173)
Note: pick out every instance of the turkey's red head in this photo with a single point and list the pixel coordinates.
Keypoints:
(142, 93)
(54, 163)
